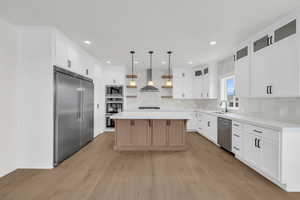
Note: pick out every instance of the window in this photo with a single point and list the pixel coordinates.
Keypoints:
(228, 91)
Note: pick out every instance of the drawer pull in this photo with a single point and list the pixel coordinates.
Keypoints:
(236, 125)
(236, 148)
(236, 135)
(257, 131)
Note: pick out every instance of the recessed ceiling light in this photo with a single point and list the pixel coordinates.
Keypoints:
(191, 62)
(163, 62)
(87, 42)
(136, 62)
(108, 62)
(212, 42)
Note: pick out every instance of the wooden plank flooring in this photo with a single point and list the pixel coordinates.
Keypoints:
(97, 172)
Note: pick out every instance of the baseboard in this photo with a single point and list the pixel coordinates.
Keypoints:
(44, 167)
(6, 172)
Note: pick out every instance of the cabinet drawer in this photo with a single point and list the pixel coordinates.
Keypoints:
(236, 150)
(237, 132)
(262, 132)
(236, 135)
(236, 125)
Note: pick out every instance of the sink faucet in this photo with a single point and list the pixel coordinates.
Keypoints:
(226, 105)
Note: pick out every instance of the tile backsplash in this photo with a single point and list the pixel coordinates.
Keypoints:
(280, 109)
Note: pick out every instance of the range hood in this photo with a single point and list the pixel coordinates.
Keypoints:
(149, 88)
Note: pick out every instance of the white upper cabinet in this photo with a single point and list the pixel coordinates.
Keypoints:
(199, 82)
(182, 83)
(70, 56)
(267, 64)
(261, 64)
(242, 69)
(61, 51)
(275, 60)
(114, 75)
(285, 60)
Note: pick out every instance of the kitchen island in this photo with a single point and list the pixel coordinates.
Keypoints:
(150, 131)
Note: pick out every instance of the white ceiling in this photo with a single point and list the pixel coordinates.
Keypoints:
(184, 26)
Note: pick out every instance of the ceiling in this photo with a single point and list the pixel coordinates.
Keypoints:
(184, 26)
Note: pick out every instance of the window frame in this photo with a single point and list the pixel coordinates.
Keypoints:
(223, 91)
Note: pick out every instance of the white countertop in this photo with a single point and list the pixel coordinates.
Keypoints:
(272, 124)
(187, 114)
(152, 115)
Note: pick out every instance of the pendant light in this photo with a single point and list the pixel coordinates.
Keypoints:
(150, 82)
(169, 82)
(132, 82)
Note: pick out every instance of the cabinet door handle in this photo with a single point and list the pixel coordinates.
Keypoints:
(168, 122)
(255, 143)
(258, 143)
(267, 89)
(236, 148)
(257, 131)
(69, 63)
(236, 135)
(208, 123)
(270, 89)
(132, 122)
(236, 125)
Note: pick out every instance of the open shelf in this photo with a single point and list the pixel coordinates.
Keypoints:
(131, 76)
(131, 96)
(167, 86)
(166, 97)
(167, 76)
(131, 86)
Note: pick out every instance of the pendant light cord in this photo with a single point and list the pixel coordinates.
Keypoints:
(150, 52)
(169, 52)
(132, 63)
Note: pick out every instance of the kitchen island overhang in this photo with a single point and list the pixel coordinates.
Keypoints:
(150, 131)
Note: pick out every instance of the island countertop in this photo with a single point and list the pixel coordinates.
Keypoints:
(153, 115)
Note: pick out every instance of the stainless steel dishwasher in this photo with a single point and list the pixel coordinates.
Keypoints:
(224, 133)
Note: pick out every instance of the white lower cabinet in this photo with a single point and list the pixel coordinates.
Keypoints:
(192, 124)
(271, 152)
(251, 152)
(270, 157)
(237, 138)
(261, 150)
(208, 127)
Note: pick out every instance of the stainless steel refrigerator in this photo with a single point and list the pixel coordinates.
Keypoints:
(73, 113)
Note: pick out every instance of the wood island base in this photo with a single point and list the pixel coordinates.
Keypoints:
(150, 135)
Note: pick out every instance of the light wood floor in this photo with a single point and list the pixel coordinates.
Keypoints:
(97, 172)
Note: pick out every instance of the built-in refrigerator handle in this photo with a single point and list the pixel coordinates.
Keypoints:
(82, 104)
(78, 117)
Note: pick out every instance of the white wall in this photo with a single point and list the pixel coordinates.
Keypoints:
(7, 97)
(35, 98)
(99, 97)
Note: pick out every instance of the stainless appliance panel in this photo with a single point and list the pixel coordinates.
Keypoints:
(87, 124)
(67, 100)
(225, 133)
(73, 112)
